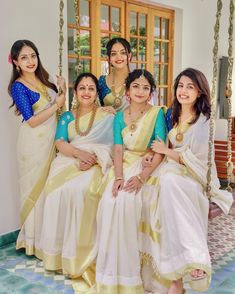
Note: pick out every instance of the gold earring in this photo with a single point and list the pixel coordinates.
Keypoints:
(18, 68)
(74, 104)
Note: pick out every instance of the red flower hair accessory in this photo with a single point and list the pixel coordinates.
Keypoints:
(10, 59)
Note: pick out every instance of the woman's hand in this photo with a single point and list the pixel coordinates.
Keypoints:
(85, 156)
(61, 83)
(117, 186)
(60, 100)
(147, 160)
(109, 109)
(159, 146)
(83, 166)
(134, 184)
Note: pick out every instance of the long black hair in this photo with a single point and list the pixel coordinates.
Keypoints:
(137, 73)
(202, 104)
(40, 71)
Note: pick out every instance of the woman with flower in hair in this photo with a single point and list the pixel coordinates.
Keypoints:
(112, 86)
(36, 98)
(84, 139)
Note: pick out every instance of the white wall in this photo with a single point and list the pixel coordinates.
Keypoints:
(194, 40)
(37, 21)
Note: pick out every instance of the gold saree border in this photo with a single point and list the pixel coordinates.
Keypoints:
(62, 177)
(119, 289)
(37, 189)
(145, 228)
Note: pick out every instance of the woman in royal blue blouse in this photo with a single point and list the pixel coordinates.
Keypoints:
(112, 87)
(36, 99)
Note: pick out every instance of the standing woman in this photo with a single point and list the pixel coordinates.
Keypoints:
(119, 213)
(36, 99)
(181, 215)
(112, 87)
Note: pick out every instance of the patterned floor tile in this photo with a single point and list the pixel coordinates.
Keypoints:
(23, 274)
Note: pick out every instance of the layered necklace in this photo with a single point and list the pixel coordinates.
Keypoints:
(117, 96)
(90, 124)
(133, 122)
(41, 88)
(181, 128)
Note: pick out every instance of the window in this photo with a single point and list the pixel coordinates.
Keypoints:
(148, 28)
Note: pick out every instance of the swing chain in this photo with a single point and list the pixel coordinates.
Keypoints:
(77, 47)
(228, 94)
(213, 99)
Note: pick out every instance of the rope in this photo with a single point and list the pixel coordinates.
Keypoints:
(77, 48)
(213, 98)
(228, 94)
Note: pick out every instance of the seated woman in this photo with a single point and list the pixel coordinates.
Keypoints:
(180, 216)
(84, 138)
(118, 217)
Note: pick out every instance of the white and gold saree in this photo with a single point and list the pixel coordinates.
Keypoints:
(176, 242)
(72, 197)
(35, 151)
(118, 262)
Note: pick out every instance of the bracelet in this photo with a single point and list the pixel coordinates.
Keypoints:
(118, 178)
(140, 179)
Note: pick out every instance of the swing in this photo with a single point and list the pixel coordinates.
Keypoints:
(224, 160)
(221, 156)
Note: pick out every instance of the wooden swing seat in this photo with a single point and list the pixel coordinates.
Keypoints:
(221, 158)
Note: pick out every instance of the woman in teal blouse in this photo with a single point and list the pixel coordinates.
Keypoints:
(84, 138)
(119, 213)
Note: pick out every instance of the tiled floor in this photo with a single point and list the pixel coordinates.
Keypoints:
(22, 274)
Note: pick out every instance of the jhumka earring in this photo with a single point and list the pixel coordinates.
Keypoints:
(74, 104)
(18, 68)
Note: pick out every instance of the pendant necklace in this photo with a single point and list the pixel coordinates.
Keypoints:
(133, 122)
(181, 128)
(117, 96)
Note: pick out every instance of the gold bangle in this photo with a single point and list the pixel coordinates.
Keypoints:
(118, 178)
(140, 179)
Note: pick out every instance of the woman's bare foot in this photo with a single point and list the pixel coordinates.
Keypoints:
(176, 287)
(198, 274)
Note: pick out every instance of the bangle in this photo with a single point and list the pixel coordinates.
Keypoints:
(140, 179)
(118, 178)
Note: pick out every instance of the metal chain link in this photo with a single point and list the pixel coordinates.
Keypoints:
(228, 94)
(61, 41)
(213, 98)
(77, 48)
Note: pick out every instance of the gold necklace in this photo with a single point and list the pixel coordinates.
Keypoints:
(42, 89)
(91, 121)
(117, 96)
(181, 129)
(133, 123)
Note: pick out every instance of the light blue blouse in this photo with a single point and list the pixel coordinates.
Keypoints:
(160, 128)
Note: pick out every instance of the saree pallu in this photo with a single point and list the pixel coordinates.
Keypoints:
(35, 152)
(118, 260)
(72, 197)
(175, 241)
